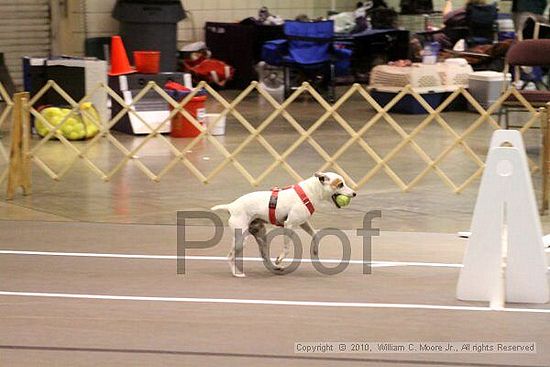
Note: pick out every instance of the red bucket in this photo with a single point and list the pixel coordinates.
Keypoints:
(183, 128)
(147, 62)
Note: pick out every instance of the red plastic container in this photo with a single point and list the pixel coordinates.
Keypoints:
(181, 127)
(147, 62)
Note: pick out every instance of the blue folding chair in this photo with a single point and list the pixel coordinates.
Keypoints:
(309, 54)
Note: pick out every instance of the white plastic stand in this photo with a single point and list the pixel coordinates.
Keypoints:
(505, 259)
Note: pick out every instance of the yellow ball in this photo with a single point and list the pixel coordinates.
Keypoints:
(343, 200)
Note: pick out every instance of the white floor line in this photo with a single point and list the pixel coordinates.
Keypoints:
(267, 302)
(376, 263)
(218, 258)
(545, 239)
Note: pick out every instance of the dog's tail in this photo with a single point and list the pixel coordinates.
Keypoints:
(220, 207)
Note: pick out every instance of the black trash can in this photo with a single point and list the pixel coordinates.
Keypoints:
(150, 25)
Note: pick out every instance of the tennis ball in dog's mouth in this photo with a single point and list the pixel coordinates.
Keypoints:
(343, 200)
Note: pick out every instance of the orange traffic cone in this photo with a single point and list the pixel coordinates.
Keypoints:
(119, 60)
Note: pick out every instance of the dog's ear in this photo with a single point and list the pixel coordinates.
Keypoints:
(322, 177)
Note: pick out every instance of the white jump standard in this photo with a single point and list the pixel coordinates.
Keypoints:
(505, 229)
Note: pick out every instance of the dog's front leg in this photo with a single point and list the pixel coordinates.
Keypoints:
(306, 226)
(286, 245)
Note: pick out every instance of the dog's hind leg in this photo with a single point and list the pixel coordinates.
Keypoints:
(239, 229)
(257, 229)
(306, 226)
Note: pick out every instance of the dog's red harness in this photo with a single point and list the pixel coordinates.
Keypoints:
(275, 195)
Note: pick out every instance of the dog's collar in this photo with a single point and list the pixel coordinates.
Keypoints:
(275, 195)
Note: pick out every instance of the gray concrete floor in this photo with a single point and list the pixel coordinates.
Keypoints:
(48, 330)
(133, 215)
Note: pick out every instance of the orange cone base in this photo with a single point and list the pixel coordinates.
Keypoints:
(129, 71)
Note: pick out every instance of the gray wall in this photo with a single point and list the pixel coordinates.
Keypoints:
(92, 18)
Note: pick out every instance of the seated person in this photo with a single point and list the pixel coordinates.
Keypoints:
(380, 15)
(456, 23)
(474, 23)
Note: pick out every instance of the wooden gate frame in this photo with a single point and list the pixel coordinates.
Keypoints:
(23, 153)
(19, 174)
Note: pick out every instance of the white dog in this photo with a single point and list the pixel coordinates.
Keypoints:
(289, 208)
